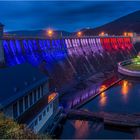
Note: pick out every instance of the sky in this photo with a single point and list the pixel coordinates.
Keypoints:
(62, 15)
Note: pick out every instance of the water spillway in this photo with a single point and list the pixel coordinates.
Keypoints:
(69, 58)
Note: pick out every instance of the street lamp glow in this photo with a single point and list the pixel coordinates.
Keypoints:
(125, 33)
(50, 32)
(79, 34)
(102, 34)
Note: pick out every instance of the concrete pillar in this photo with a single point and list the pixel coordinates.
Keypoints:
(2, 59)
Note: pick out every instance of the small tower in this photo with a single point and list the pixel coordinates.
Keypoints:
(2, 59)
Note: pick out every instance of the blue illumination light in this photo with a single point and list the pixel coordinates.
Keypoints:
(61, 53)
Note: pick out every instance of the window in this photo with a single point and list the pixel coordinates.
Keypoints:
(48, 109)
(26, 102)
(15, 110)
(51, 105)
(41, 91)
(44, 112)
(35, 122)
(31, 99)
(21, 106)
(35, 96)
(40, 117)
(45, 86)
(38, 93)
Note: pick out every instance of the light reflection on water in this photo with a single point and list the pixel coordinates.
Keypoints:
(126, 86)
(124, 97)
(81, 128)
(90, 130)
(103, 99)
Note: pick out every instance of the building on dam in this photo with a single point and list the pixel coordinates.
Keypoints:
(25, 96)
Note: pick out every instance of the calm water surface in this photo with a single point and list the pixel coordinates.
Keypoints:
(124, 97)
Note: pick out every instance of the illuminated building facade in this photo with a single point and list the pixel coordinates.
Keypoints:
(25, 97)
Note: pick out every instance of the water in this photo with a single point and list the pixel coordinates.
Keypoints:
(90, 130)
(124, 97)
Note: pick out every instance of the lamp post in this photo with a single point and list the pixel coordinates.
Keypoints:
(125, 33)
(79, 34)
(102, 34)
(50, 32)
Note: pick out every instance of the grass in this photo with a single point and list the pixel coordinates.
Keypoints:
(134, 67)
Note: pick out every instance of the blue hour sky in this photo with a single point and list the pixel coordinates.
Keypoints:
(63, 15)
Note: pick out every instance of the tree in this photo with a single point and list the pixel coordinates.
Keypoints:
(9, 129)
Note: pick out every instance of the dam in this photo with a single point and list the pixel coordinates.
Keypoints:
(71, 59)
(67, 59)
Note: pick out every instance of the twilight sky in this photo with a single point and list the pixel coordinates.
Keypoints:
(66, 15)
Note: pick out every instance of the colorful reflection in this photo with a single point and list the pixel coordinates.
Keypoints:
(102, 88)
(103, 97)
(125, 87)
(82, 128)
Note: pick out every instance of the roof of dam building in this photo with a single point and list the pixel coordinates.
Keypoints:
(17, 81)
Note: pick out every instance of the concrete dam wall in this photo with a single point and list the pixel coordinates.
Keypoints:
(68, 58)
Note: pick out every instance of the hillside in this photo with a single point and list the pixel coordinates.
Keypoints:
(128, 23)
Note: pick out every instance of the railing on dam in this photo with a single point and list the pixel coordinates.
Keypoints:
(63, 37)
